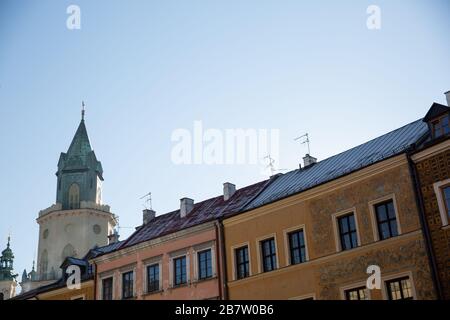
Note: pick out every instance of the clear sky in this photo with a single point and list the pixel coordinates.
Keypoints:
(146, 68)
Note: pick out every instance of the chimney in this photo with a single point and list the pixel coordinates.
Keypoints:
(228, 190)
(113, 237)
(147, 215)
(447, 95)
(186, 206)
(308, 160)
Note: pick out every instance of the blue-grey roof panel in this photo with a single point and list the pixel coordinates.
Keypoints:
(383, 147)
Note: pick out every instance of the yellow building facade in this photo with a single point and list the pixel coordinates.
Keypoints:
(326, 269)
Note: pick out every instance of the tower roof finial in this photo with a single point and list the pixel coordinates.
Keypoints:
(82, 110)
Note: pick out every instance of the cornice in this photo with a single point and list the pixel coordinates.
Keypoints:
(155, 242)
(319, 190)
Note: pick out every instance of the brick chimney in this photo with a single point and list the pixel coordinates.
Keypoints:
(186, 206)
(228, 190)
(308, 160)
(148, 215)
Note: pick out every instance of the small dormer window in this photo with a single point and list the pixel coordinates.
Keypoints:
(440, 126)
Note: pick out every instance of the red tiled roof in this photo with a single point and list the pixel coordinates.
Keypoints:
(202, 212)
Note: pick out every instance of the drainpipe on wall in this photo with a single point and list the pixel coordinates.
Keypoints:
(424, 225)
(95, 281)
(222, 257)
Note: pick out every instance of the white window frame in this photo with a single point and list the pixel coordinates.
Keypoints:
(102, 276)
(438, 190)
(373, 215)
(259, 252)
(210, 245)
(126, 270)
(353, 286)
(150, 262)
(233, 259)
(385, 279)
(172, 257)
(286, 233)
(337, 236)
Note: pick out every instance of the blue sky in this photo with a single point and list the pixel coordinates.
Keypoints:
(146, 68)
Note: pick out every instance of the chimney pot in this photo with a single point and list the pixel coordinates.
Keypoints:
(447, 95)
(186, 206)
(113, 237)
(228, 190)
(147, 215)
(308, 160)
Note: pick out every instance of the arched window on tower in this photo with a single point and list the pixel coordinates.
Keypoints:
(74, 196)
(44, 264)
(68, 251)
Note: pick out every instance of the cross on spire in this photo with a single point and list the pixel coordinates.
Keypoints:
(82, 110)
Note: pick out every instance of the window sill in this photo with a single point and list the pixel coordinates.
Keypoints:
(179, 285)
(160, 291)
(446, 227)
(204, 280)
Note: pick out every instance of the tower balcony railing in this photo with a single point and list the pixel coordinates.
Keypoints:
(83, 205)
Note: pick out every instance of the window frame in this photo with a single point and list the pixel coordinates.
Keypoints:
(353, 286)
(439, 120)
(233, 259)
(261, 253)
(147, 282)
(237, 263)
(336, 228)
(102, 293)
(398, 280)
(287, 244)
(442, 205)
(173, 263)
(133, 291)
(199, 267)
(373, 215)
(385, 279)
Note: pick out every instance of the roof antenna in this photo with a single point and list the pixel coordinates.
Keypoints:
(82, 110)
(148, 201)
(271, 165)
(305, 140)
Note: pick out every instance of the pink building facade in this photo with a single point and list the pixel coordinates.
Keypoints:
(176, 255)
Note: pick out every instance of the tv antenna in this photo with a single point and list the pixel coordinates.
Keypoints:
(271, 165)
(148, 201)
(304, 139)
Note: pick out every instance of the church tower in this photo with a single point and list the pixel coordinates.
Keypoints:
(78, 220)
(7, 278)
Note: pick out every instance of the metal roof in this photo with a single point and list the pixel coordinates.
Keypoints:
(204, 211)
(378, 149)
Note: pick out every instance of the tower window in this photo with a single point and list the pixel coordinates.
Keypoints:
(441, 126)
(74, 196)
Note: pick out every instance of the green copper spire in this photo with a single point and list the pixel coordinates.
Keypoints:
(6, 263)
(79, 172)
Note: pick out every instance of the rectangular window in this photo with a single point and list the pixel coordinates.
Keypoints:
(107, 288)
(269, 256)
(446, 197)
(297, 246)
(127, 285)
(399, 289)
(204, 264)
(356, 294)
(347, 232)
(441, 126)
(179, 269)
(153, 278)
(386, 220)
(242, 263)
